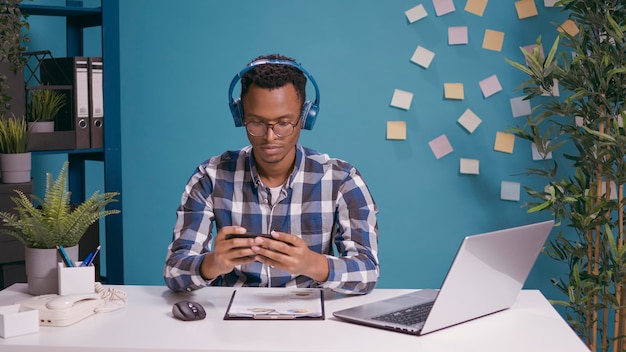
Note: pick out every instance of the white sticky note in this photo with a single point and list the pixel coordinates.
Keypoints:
(555, 89)
(469, 166)
(443, 7)
(549, 3)
(490, 86)
(401, 99)
(416, 13)
(537, 155)
(440, 146)
(469, 121)
(520, 107)
(509, 190)
(422, 56)
(457, 35)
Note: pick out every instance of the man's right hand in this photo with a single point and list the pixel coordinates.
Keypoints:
(227, 254)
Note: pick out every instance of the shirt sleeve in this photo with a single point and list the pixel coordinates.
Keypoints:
(356, 268)
(192, 236)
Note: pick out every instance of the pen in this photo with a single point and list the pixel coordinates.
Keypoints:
(64, 256)
(89, 259)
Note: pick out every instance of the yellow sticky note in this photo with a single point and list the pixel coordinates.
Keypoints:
(453, 91)
(526, 8)
(570, 27)
(504, 142)
(477, 7)
(493, 40)
(396, 130)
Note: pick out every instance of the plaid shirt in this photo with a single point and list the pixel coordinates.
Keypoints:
(325, 200)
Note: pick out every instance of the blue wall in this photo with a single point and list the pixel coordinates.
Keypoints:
(177, 59)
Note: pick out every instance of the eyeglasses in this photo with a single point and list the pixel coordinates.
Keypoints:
(280, 129)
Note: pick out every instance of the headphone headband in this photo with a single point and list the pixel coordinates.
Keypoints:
(309, 109)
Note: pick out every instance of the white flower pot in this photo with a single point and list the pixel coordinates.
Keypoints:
(41, 126)
(15, 168)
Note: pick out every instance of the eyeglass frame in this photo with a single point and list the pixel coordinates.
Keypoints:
(271, 126)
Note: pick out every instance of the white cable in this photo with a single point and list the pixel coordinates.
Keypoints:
(114, 299)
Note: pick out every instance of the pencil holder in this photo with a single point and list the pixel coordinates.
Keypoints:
(76, 280)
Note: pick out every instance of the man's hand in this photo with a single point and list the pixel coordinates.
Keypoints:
(291, 254)
(227, 254)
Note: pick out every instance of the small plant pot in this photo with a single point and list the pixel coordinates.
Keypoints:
(41, 126)
(42, 269)
(15, 168)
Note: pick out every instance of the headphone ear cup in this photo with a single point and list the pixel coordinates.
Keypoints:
(309, 114)
(237, 112)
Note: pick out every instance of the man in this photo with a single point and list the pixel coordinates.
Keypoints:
(305, 200)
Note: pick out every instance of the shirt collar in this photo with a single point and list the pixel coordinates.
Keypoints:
(254, 174)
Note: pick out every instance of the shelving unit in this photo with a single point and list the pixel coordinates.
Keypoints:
(77, 19)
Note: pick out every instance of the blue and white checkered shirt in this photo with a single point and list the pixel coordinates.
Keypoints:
(324, 201)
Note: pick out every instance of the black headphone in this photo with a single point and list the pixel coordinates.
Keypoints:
(309, 109)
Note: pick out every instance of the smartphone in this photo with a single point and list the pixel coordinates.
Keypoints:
(247, 235)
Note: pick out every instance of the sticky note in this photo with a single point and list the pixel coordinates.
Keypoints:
(440, 146)
(509, 190)
(537, 155)
(493, 40)
(526, 9)
(549, 3)
(453, 91)
(396, 130)
(469, 120)
(469, 166)
(531, 47)
(490, 86)
(457, 35)
(520, 107)
(555, 89)
(416, 13)
(443, 7)
(477, 7)
(580, 121)
(422, 56)
(504, 142)
(401, 99)
(570, 27)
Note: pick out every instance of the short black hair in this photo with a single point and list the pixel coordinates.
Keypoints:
(272, 76)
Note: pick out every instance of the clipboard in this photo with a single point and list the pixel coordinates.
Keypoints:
(276, 303)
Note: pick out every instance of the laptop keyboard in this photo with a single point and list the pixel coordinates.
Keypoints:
(407, 316)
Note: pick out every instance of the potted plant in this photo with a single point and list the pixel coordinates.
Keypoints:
(583, 130)
(12, 60)
(50, 222)
(15, 159)
(42, 107)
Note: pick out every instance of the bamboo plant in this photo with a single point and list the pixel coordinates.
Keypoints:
(53, 221)
(44, 104)
(583, 130)
(14, 135)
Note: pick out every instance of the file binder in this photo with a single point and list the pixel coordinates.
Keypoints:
(96, 102)
(71, 71)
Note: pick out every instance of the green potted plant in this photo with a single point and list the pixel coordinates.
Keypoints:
(50, 222)
(583, 130)
(12, 59)
(15, 159)
(42, 107)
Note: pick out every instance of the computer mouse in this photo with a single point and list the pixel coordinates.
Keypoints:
(188, 310)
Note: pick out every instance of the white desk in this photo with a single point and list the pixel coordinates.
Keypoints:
(146, 324)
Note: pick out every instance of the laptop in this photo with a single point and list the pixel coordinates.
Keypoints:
(486, 276)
